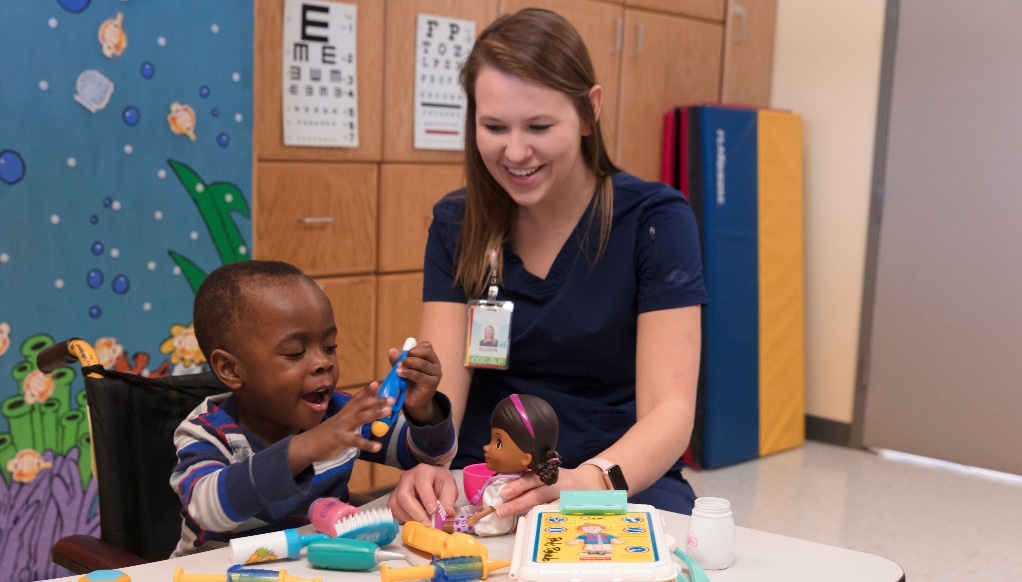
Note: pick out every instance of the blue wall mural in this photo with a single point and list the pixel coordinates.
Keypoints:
(125, 177)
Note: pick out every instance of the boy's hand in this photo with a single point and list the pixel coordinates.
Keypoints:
(341, 431)
(421, 367)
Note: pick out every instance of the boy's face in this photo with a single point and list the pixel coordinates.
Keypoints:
(286, 358)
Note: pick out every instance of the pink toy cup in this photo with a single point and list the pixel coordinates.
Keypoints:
(474, 477)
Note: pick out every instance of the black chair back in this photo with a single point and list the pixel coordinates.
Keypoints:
(133, 423)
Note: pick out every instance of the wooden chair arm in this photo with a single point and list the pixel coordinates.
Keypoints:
(82, 554)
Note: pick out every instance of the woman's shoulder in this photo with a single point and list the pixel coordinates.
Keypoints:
(451, 206)
(631, 191)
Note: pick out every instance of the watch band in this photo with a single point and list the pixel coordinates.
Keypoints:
(613, 478)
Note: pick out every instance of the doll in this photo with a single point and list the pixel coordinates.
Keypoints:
(523, 434)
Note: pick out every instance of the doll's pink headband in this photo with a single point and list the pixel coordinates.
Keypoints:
(521, 412)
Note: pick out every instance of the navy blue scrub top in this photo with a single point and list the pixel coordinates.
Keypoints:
(573, 334)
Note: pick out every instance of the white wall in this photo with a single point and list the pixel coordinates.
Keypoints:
(827, 60)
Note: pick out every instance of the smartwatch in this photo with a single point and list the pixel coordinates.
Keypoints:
(613, 478)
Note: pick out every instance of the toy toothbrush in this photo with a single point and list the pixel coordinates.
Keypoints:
(393, 386)
(347, 554)
(277, 545)
(337, 519)
(445, 570)
(238, 574)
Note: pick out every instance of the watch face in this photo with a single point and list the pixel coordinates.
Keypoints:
(617, 478)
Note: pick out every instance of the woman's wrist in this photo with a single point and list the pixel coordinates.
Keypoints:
(591, 476)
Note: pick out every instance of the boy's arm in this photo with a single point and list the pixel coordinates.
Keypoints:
(409, 444)
(220, 482)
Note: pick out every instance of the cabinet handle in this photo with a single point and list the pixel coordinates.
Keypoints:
(316, 220)
(619, 44)
(739, 12)
(640, 43)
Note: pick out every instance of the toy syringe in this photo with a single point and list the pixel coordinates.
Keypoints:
(393, 386)
(238, 573)
(445, 570)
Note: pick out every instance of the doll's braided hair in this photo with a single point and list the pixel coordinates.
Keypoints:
(532, 425)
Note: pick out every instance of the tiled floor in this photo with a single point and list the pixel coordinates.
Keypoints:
(938, 522)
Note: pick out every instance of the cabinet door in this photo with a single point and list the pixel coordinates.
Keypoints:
(601, 26)
(354, 303)
(667, 61)
(319, 217)
(749, 52)
(268, 120)
(706, 9)
(399, 308)
(407, 195)
(399, 76)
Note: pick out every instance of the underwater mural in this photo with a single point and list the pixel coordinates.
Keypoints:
(125, 177)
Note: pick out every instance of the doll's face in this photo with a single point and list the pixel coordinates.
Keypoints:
(503, 455)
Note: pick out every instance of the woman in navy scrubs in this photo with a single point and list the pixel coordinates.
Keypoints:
(603, 271)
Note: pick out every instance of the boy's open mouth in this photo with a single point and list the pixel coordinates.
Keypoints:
(317, 397)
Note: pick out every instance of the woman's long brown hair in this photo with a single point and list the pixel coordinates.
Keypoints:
(542, 47)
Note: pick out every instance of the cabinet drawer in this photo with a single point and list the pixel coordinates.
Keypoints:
(319, 216)
(407, 195)
(354, 303)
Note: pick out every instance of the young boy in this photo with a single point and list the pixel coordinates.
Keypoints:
(257, 456)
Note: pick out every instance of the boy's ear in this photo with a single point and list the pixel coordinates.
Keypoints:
(226, 367)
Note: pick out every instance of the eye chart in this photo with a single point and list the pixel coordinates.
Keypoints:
(320, 97)
(441, 45)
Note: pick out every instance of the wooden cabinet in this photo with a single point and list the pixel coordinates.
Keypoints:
(354, 301)
(705, 9)
(320, 217)
(399, 301)
(399, 74)
(668, 61)
(749, 52)
(407, 195)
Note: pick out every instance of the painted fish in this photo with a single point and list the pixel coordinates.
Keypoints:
(5, 337)
(38, 387)
(111, 36)
(26, 465)
(108, 350)
(182, 120)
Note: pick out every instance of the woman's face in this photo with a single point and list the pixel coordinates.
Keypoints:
(530, 138)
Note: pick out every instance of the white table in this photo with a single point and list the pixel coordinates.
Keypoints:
(760, 557)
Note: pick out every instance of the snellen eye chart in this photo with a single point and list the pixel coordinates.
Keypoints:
(442, 44)
(320, 92)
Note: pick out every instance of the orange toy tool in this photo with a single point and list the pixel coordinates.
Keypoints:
(440, 543)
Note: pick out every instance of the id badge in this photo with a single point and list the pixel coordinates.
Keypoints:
(488, 333)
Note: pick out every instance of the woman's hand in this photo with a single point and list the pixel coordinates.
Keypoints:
(418, 492)
(528, 491)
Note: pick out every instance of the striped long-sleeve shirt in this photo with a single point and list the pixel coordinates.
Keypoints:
(230, 482)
